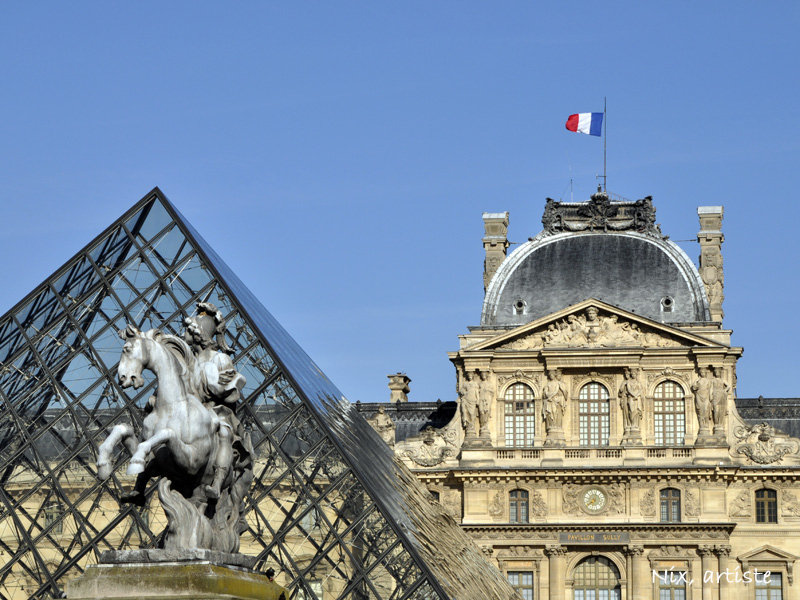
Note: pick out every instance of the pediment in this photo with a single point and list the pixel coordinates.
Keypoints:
(593, 324)
(767, 553)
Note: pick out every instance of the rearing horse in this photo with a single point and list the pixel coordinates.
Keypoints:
(178, 436)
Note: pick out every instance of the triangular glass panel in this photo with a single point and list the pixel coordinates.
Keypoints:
(329, 507)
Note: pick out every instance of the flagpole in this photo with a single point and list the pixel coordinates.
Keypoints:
(605, 139)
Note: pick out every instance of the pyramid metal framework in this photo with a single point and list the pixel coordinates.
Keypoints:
(330, 507)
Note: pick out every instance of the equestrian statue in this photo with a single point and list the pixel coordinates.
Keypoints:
(191, 437)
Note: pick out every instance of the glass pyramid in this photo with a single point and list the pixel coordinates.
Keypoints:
(330, 507)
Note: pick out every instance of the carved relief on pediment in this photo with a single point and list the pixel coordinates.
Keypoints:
(590, 329)
(763, 444)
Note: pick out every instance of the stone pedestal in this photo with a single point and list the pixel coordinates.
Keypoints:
(195, 580)
(634, 455)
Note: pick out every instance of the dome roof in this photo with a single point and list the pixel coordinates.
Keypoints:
(640, 271)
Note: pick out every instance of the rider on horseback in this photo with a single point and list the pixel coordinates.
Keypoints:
(217, 384)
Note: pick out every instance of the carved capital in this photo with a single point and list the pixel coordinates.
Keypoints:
(633, 550)
(722, 550)
(553, 550)
(705, 551)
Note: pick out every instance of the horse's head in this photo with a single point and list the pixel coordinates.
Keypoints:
(134, 358)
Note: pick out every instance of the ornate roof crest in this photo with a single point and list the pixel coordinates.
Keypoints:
(601, 213)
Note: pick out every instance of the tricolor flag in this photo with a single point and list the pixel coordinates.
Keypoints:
(591, 123)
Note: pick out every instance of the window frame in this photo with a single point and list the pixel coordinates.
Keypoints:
(674, 495)
(594, 394)
(766, 507)
(661, 399)
(519, 425)
(519, 506)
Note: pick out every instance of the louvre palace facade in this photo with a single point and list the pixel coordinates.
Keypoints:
(331, 509)
(596, 450)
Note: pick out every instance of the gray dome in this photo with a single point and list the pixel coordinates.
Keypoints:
(647, 275)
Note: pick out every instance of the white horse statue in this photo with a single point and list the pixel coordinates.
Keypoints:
(180, 438)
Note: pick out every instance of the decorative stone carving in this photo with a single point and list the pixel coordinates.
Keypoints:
(762, 444)
(384, 425)
(790, 507)
(742, 506)
(538, 507)
(669, 372)
(519, 375)
(647, 503)
(570, 498)
(600, 213)
(691, 505)
(592, 330)
(452, 504)
(433, 450)
(616, 500)
(486, 396)
(202, 490)
(497, 506)
(719, 401)
(702, 402)
(554, 402)
(468, 395)
(671, 552)
(631, 400)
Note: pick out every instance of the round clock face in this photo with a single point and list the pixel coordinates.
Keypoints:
(594, 500)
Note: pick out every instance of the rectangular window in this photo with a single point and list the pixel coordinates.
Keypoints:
(671, 585)
(771, 589)
(522, 581)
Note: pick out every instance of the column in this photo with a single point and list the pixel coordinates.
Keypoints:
(723, 551)
(639, 586)
(556, 557)
(707, 561)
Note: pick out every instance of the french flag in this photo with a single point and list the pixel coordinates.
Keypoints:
(591, 123)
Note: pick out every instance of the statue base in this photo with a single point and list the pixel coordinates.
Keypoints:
(172, 580)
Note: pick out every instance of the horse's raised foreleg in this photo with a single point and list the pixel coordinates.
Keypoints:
(118, 432)
(145, 447)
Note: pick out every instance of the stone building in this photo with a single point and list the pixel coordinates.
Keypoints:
(596, 449)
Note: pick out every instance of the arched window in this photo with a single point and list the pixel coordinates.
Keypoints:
(597, 577)
(593, 415)
(670, 505)
(766, 506)
(519, 415)
(518, 506)
(669, 413)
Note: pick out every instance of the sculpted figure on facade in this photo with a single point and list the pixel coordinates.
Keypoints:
(468, 394)
(486, 389)
(711, 272)
(631, 399)
(554, 404)
(702, 402)
(719, 401)
(384, 425)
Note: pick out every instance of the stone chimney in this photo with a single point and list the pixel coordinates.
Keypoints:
(399, 385)
(495, 243)
(711, 238)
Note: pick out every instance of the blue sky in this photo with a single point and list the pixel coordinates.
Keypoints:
(339, 155)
